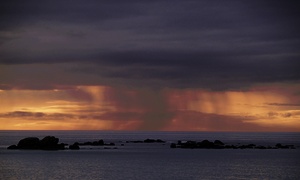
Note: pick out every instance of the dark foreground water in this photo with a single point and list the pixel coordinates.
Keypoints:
(151, 161)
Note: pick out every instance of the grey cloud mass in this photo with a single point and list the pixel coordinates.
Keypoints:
(202, 44)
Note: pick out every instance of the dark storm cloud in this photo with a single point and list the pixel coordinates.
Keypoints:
(18, 13)
(166, 43)
(194, 69)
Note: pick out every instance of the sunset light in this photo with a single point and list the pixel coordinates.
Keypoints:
(194, 66)
(105, 108)
(133, 89)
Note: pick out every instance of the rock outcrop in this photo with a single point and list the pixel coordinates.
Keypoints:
(29, 143)
(74, 146)
(147, 141)
(217, 144)
(47, 143)
(153, 141)
(95, 143)
(52, 143)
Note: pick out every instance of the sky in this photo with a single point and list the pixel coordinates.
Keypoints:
(192, 65)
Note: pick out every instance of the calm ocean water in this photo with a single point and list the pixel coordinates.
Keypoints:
(151, 161)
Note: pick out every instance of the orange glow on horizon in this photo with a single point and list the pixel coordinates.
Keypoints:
(251, 107)
(104, 108)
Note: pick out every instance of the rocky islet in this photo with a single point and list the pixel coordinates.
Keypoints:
(52, 143)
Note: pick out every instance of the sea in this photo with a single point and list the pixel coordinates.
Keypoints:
(131, 160)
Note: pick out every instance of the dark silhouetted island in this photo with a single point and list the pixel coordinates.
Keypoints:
(147, 141)
(47, 143)
(217, 144)
(52, 143)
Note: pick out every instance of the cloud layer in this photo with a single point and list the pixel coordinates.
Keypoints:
(190, 44)
(150, 65)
